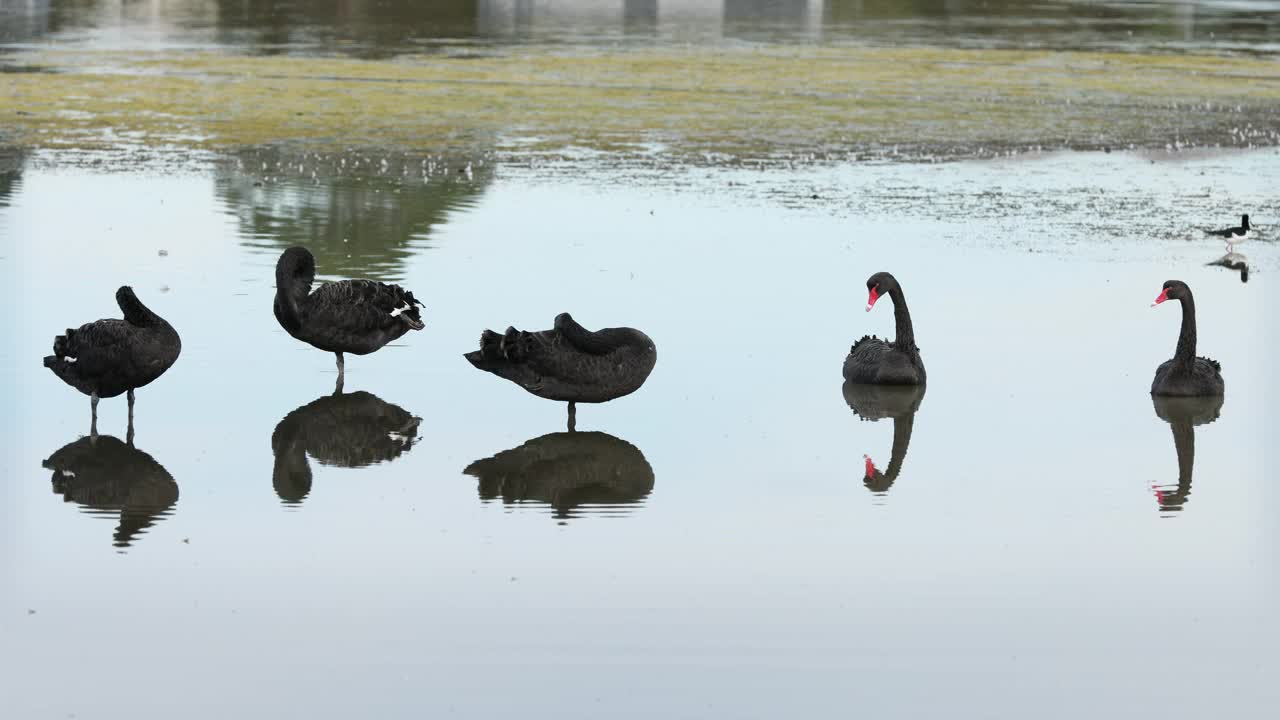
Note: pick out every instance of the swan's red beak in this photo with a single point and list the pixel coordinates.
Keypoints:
(870, 469)
(1164, 295)
(872, 298)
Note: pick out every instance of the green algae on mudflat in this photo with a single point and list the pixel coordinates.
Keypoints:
(739, 102)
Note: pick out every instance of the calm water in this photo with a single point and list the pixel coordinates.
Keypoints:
(745, 537)
(1034, 539)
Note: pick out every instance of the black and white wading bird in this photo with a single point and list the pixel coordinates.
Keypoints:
(1233, 235)
(105, 358)
(347, 316)
(568, 362)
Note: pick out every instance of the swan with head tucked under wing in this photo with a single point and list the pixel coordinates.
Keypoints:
(568, 362)
(108, 357)
(347, 316)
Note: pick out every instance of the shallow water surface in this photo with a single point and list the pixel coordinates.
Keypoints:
(743, 537)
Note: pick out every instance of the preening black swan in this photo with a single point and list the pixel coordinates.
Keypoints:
(881, 362)
(1186, 375)
(348, 316)
(109, 477)
(107, 357)
(1233, 235)
(1183, 414)
(875, 402)
(566, 471)
(341, 430)
(569, 362)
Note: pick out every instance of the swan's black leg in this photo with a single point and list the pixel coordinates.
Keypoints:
(341, 367)
(129, 434)
(93, 417)
(573, 416)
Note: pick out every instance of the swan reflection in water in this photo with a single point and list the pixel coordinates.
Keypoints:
(111, 478)
(592, 471)
(342, 430)
(1234, 261)
(876, 402)
(1183, 414)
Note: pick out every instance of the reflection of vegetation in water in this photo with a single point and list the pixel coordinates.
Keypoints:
(360, 214)
(377, 28)
(11, 164)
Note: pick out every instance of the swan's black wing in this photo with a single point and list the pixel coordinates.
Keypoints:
(95, 354)
(1227, 232)
(862, 364)
(601, 342)
(569, 362)
(1202, 378)
(357, 308)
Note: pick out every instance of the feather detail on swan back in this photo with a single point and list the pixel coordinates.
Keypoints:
(569, 362)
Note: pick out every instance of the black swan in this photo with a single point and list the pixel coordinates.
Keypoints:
(348, 316)
(1183, 414)
(568, 362)
(1186, 375)
(879, 362)
(112, 478)
(342, 430)
(566, 470)
(875, 402)
(105, 358)
(1233, 235)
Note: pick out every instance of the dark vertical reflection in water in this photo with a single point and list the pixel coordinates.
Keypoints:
(350, 430)
(360, 214)
(112, 478)
(594, 472)
(874, 403)
(11, 164)
(640, 17)
(1183, 414)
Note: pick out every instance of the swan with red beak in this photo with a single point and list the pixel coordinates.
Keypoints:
(1186, 375)
(882, 362)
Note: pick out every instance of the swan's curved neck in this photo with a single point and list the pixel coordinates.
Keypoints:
(292, 290)
(905, 336)
(901, 439)
(1186, 351)
(135, 312)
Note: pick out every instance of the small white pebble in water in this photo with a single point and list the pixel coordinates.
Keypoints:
(344, 240)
